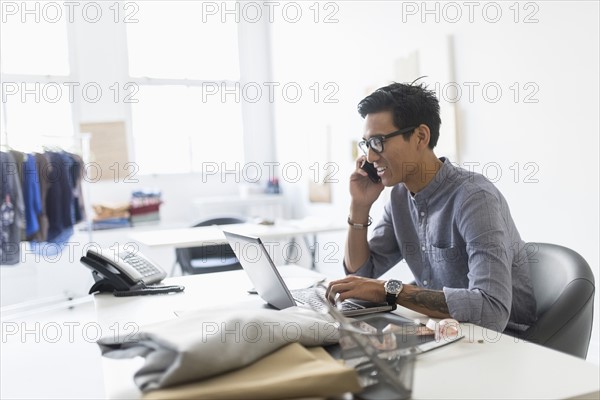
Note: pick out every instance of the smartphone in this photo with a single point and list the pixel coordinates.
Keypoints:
(371, 170)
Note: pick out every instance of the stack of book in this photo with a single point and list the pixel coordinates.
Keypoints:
(145, 207)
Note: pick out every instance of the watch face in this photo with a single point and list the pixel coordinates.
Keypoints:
(393, 286)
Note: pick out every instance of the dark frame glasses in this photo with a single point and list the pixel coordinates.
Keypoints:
(376, 142)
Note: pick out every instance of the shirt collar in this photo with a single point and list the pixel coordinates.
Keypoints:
(436, 182)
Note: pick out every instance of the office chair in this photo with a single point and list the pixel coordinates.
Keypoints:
(564, 291)
(209, 258)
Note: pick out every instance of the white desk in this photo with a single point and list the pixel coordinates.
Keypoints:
(483, 365)
(269, 206)
(208, 235)
(192, 237)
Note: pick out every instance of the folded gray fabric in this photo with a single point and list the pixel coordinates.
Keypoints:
(204, 343)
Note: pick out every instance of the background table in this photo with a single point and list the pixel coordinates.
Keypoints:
(209, 235)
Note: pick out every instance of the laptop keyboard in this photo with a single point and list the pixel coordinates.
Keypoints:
(313, 297)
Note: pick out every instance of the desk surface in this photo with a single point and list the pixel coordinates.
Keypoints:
(239, 200)
(485, 364)
(191, 237)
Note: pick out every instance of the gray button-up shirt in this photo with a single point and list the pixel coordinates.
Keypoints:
(457, 235)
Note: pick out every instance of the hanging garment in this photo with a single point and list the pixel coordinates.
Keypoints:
(31, 195)
(42, 167)
(77, 171)
(59, 200)
(12, 211)
(18, 158)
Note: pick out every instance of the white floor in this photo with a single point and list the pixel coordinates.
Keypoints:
(52, 355)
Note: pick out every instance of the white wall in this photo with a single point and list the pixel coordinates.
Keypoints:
(559, 134)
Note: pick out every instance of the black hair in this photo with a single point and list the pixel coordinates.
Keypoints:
(411, 105)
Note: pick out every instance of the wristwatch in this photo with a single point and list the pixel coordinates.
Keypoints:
(392, 288)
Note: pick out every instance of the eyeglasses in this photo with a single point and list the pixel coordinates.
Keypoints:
(375, 143)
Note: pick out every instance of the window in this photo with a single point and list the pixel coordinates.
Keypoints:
(175, 131)
(34, 47)
(35, 64)
(170, 40)
(176, 124)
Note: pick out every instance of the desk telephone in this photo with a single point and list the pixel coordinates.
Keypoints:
(125, 273)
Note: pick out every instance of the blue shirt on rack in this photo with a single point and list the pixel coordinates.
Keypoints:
(31, 195)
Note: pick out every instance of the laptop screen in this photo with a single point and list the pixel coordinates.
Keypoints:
(261, 270)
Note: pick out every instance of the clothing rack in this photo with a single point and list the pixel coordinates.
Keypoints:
(81, 143)
(65, 293)
(81, 140)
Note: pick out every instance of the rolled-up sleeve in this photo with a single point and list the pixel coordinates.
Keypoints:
(487, 301)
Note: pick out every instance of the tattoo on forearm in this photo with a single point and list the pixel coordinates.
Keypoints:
(430, 299)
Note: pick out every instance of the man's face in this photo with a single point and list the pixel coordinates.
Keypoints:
(400, 159)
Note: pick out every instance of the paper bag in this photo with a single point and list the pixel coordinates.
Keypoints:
(290, 372)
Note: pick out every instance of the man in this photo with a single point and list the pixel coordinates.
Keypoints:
(453, 227)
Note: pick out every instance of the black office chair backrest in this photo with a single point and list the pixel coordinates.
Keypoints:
(211, 257)
(564, 291)
(220, 221)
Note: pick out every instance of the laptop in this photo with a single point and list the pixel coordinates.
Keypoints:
(269, 285)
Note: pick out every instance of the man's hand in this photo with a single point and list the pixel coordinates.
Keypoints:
(356, 287)
(428, 302)
(363, 190)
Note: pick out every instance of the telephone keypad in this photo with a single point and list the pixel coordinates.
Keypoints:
(142, 266)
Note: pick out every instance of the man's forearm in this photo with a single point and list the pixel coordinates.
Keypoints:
(357, 247)
(425, 301)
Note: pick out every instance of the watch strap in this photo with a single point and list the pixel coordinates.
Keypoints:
(391, 298)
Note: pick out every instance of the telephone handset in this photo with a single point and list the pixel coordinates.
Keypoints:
(125, 273)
